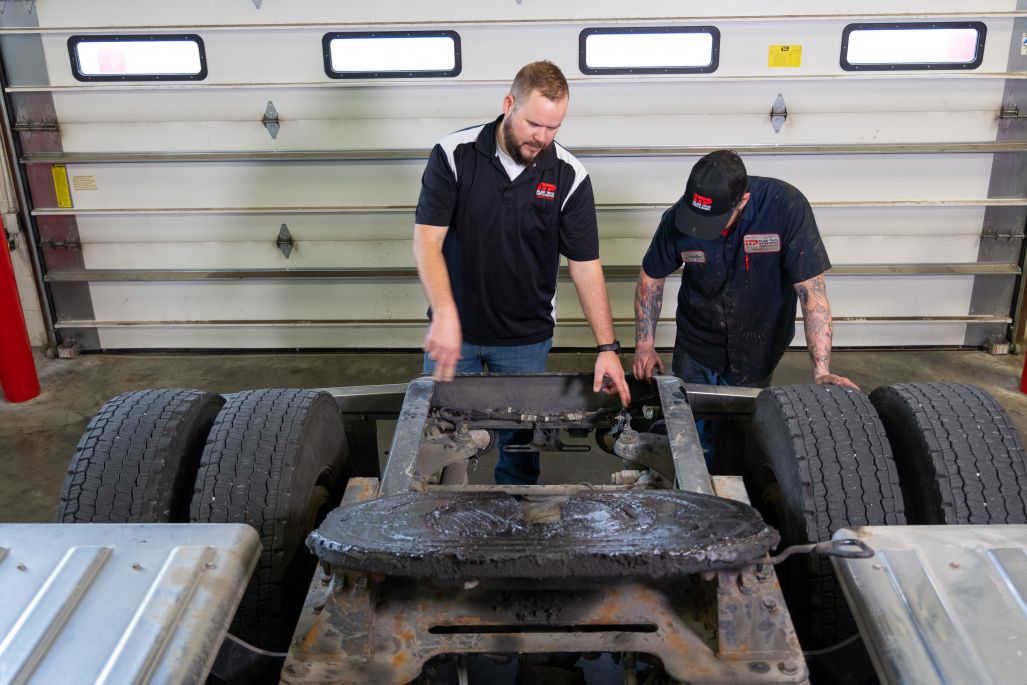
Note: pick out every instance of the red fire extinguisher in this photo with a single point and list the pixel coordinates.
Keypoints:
(17, 368)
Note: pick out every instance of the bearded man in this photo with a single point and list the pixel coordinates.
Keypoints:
(499, 204)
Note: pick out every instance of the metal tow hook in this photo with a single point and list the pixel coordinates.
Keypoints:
(846, 548)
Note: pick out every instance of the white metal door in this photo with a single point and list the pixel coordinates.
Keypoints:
(179, 193)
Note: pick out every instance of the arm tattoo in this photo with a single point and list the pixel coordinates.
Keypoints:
(803, 292)
(648, 302)
(817, 322)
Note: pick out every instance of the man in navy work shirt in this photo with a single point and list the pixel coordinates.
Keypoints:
(499, 204)
(750, 248)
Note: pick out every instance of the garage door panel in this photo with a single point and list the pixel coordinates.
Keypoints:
(851, 296)
(841, 249)
(495, 52)
(902, 250)
(198, 228)
(265, 184)
(262, 337)
(305, 254)
(471, 102)
(578, 132)
(257, 300)
(107, 13)
(656, 181)
(900, 295)
(892, 334)
(345, 252)
(720, 130)
(924, 221)
(935, 225)
(838, 178)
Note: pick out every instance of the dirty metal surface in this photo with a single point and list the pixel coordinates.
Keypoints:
(383, 631)
(454, 535)
(118, 603)
(941, 604)
(689, 463)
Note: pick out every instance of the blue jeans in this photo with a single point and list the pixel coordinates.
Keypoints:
(513, 468)
(691, 371)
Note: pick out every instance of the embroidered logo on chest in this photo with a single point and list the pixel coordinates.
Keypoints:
(693, 257)
(545, 191)
(762, 242)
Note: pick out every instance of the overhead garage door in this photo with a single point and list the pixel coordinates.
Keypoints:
(268, 205)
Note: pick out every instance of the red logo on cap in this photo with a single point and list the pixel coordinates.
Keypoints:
(700, 202)
(545, 191)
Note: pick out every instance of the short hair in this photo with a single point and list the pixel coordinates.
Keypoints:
(543, 76)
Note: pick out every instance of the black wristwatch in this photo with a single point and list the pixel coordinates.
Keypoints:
(609, 347)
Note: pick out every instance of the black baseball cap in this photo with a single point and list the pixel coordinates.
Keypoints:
(715, 187)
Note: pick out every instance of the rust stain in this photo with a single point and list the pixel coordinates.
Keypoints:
(406, 635)
(398, 659)
(311, 637)
(466, 620)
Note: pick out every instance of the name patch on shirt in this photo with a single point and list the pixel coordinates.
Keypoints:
(545, 191)
(693, 257)
(762, 242)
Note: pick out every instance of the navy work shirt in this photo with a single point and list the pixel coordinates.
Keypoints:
(505, 238)
(736, 305)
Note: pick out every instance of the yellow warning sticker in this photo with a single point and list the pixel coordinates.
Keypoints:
(60, 184)
(785, 56)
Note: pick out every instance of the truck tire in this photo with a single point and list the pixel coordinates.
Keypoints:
(275, 460)
(959, 457)
(816, 460)
(137, 459)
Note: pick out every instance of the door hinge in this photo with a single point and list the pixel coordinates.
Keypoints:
(1011, 112)
(21, 126)
(778, 113)
(284, 241)
(270, 120)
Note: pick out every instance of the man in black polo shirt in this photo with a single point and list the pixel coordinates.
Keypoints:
(750, 248)
(499, 204)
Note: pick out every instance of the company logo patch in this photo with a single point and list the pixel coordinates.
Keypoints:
(762, 242)
(700, 202)
(545, 191)
(693, 257)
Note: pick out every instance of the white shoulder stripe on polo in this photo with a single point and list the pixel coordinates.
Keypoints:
(454, 140)
(580, 174)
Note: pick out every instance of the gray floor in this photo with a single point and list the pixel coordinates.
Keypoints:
(38, 437)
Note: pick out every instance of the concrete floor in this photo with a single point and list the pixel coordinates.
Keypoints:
(38, 437)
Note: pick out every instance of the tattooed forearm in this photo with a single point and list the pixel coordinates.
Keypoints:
(816, 320)
(648, 303)
(803, 292)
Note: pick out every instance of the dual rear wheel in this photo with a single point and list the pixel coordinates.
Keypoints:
(820, 458)
(273, 459)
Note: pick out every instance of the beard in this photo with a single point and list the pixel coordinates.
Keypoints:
(516, 150)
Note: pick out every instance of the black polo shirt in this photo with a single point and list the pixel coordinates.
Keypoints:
(737, 302)
(505, 237)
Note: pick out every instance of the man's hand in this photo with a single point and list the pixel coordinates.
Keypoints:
(610, 377)
(442, 343)
(647, 360)
(835, 379)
